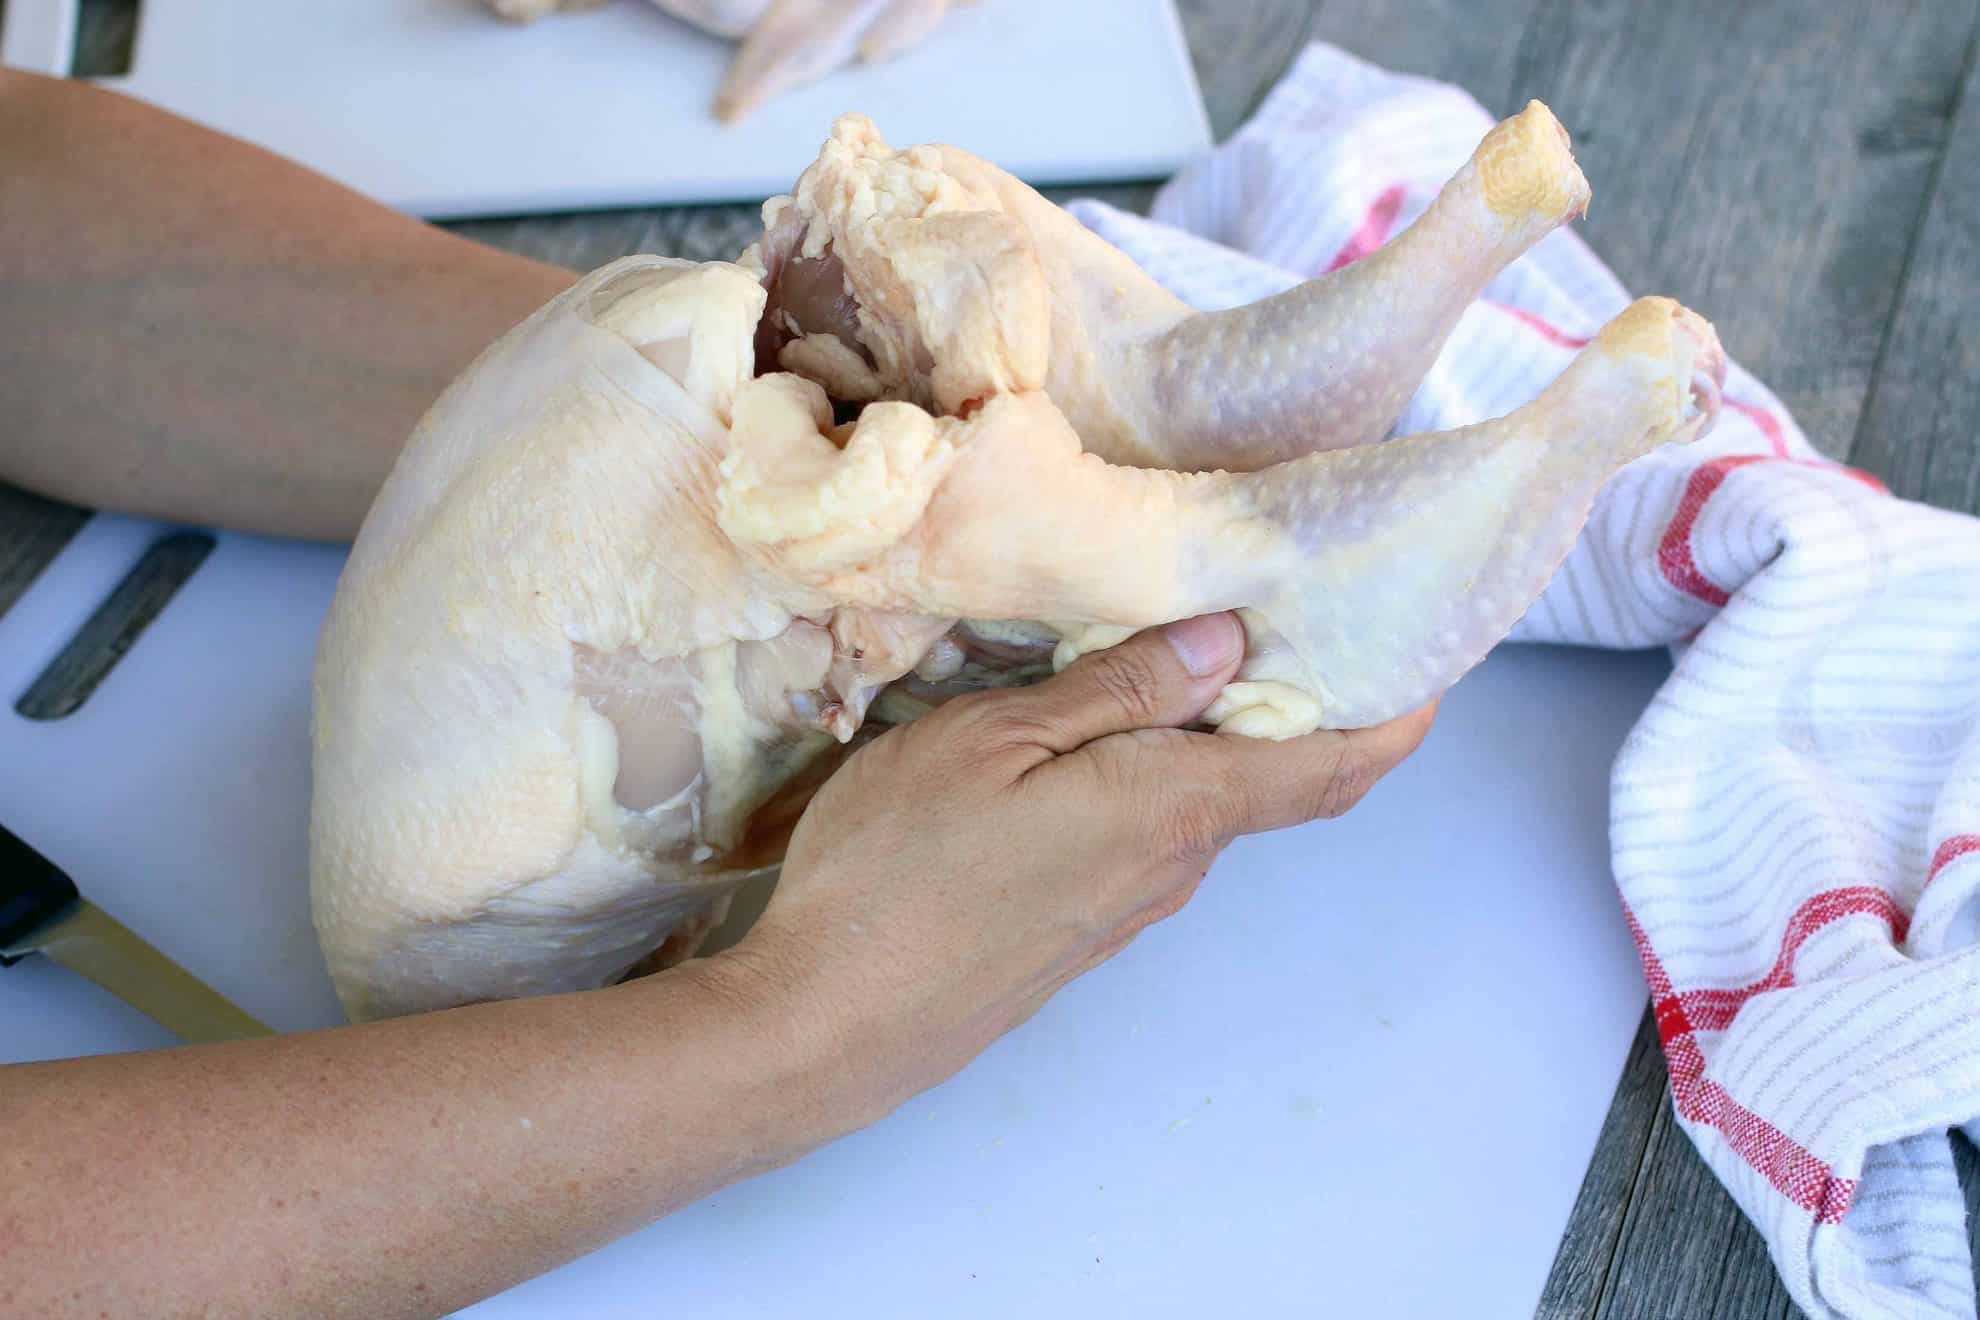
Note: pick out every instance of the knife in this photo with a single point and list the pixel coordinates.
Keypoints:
(42, 912)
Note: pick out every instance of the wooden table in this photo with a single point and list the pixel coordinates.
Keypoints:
(1806, 172)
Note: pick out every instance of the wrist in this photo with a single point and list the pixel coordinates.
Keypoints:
(779, 1010)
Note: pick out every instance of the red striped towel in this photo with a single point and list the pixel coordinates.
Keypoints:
(1795, 821)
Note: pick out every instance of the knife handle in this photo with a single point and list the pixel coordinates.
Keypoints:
(32, 889)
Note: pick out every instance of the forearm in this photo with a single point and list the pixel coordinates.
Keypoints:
(403, 1167)
(195, 329)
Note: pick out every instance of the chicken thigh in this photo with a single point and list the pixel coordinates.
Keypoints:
(645, 570)
(784, 42)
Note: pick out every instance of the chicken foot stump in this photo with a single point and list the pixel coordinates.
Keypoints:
(643, 571)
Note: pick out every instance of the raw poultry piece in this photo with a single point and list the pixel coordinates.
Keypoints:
(784, 42)
(892, 253)
(643, 569)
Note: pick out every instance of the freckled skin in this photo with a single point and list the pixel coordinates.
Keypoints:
(631, 583)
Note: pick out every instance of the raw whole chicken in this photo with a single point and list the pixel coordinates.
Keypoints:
(784, 42)
(646, 569)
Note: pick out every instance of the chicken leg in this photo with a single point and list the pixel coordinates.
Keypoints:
(933, 276)
(1371, 578)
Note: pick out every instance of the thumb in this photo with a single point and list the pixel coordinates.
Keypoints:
(1162, 678)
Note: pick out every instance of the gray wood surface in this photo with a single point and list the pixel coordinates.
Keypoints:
(1807, 172)
(32, 532)
(1924, 408)
(114, 626)
(1765, 162)
(1587, 1254)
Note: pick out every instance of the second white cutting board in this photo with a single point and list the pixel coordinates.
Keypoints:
(438, 108)
(1360, 1075)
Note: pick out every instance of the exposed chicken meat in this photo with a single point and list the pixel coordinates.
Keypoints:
(645, 570)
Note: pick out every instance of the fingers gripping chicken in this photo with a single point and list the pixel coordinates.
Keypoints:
(645, 570)
(784, 42)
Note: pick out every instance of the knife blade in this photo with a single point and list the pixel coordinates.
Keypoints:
(41, 911)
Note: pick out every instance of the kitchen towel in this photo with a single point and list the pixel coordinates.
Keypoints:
(1795, 822)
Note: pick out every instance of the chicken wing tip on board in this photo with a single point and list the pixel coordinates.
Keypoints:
(649, 569)
(784, 43)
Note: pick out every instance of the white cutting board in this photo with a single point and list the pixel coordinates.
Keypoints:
(438, 108)
(1360, 1075)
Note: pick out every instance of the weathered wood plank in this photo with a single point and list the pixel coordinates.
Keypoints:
(32, 532)
(1921, 430)
(1677, 1235)
(106, 31)
(1688, 1250)
(109, 633)
(1967, 1160)
(1764, 162)
(1241, 50)
(1473, 43)
(586, 240)
(1588, 1248)
(1750, 1288)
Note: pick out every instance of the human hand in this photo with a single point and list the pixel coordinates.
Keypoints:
(958, 871)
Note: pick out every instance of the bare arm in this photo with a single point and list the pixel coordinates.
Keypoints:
(942, 886)
(399, 1168)
(195, 329)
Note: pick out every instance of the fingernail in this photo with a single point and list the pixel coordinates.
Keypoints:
(1206, 644)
